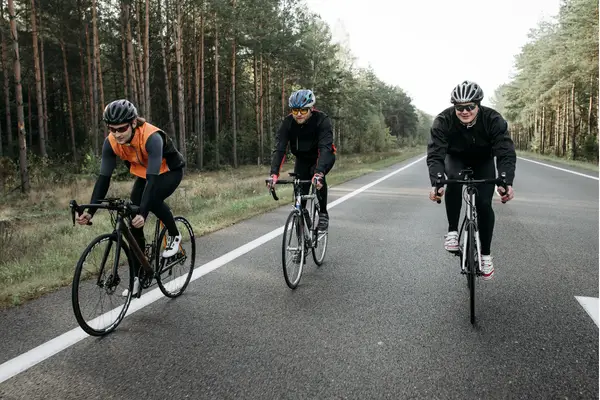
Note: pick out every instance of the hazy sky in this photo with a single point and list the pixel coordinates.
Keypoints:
(428, 46)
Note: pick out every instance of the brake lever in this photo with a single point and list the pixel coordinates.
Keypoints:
(504, 185)
(272, 189)
(76, 209)
(438, 186)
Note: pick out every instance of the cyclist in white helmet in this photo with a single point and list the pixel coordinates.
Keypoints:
(471, 135)
(309, 134)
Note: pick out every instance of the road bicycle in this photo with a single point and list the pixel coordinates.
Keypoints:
(106, 266)
(301, 232)
(469, 250)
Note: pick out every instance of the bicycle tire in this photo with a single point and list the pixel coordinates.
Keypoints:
(77, 277)
(325, 235)
(298, 231)
(159, 260)
(471, 272)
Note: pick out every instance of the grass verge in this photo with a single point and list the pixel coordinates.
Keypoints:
(588, 165)
(40, 246)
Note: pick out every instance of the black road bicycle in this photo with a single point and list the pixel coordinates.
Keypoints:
(106, 267)
(469, 251)
(300, 233)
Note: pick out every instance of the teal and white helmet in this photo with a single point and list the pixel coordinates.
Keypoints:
(303, 98)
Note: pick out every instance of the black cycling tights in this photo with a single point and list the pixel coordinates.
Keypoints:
(305, 168)
(164, 186)
(483, 199)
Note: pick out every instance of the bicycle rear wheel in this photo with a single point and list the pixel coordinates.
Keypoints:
(320, 245)
(174, 273)
(94, 276)
(292, 250)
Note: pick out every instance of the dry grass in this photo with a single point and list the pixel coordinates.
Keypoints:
(588, 165)
(40, 247)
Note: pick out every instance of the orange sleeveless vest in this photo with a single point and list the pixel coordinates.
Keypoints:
(135, 152)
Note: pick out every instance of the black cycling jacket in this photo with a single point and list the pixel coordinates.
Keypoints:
(488, 138)
(311, 140)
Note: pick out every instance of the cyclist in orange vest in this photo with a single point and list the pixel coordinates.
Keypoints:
(152, 158)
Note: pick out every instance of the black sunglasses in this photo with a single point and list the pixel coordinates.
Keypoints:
(468, 107)
(120, 130)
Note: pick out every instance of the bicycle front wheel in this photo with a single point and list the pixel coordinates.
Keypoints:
(174, 273)
(292, 250)
(98, 287)
(471, 270)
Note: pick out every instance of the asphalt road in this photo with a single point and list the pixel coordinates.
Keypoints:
(386, 316)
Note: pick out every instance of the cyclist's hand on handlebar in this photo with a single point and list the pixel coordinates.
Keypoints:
(506, 196)
(432, 194)
(318, 180)
(273, 181)
(138, 221)
(83, 219)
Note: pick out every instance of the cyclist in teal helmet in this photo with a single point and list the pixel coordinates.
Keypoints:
(309, 134)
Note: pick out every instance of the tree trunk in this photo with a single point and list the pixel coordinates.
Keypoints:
(257, 111)
(29, 124)
(6, 89)
(38, 82)
(43, 71)
(233, 107)
(269, 108)
(574, 128)
(543, 131)
(130, 57)
(94, 86)
(557, 130)
(565, 125)
(147, 57)
(202, 117)
(591, 106)
(262, 119)
(98, 84)
(84, 101)
(180, 88)
(90, 80)
(282, 93)
(217, 152)
(168, 86)
(141, 75)
(124, 57)
(97, 58)
(197, 88)
(19, 97)
(69, 100)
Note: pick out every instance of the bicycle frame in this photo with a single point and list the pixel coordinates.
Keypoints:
(121, 230)
(308, 229)
(470, 221)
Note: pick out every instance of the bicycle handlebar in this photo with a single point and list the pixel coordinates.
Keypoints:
(284, 182)
(112, 204)
(501, 181)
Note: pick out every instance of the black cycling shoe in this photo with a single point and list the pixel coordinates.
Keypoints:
(323, 221)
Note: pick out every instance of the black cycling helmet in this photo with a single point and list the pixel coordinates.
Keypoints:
(119, 112)
(466, 92)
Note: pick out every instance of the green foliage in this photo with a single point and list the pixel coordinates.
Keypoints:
(556, 85)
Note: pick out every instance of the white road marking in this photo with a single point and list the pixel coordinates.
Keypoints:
(590, 305)
(560, 169)
(46, 350)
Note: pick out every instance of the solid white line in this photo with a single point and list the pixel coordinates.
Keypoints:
(590, 305)
(560, 169)
(46, 350)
